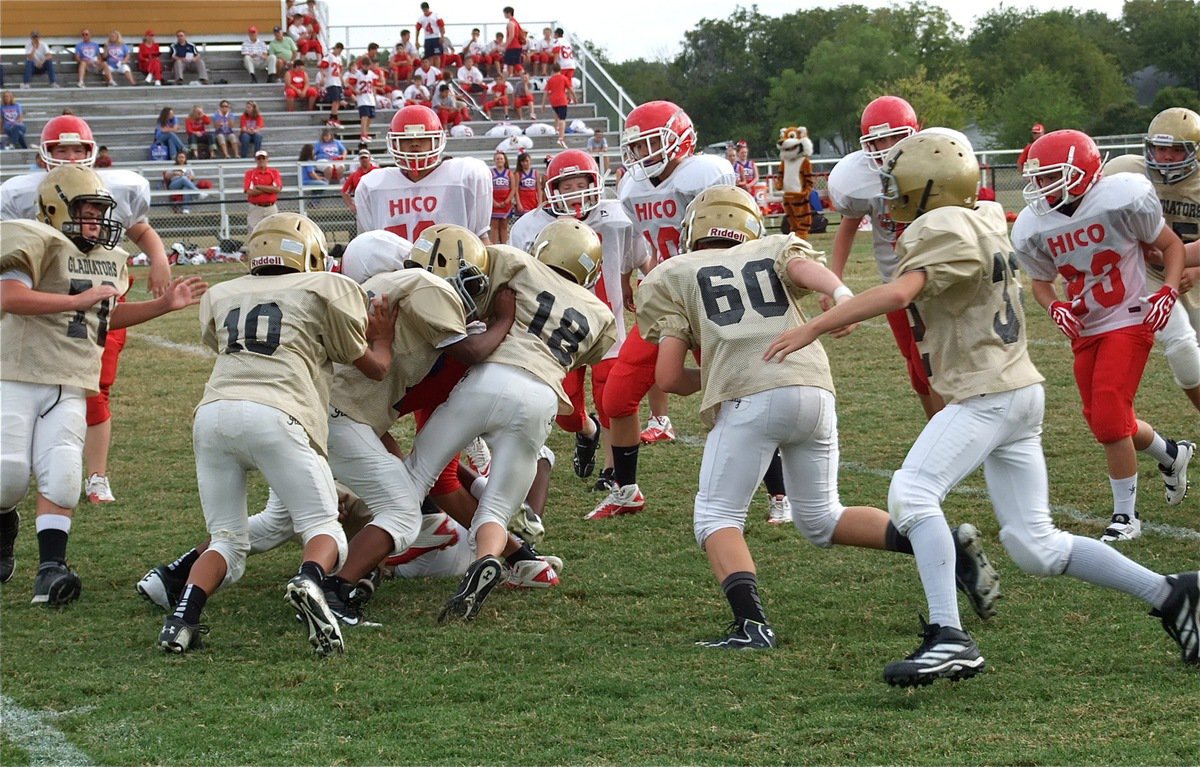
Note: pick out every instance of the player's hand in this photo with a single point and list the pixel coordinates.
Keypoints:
(184, 291)
(1189, 280)
(381, 321)
(160, 276)
(826, 302)
(504, 305)
(844, 330)
(1064, 315)
(1159, 307)
(93, 296)
(789, 341)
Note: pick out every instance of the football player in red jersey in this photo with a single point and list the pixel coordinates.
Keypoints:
(1091, 230)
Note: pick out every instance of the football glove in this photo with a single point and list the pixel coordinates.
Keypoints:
(1063, 315)
(1159, 306)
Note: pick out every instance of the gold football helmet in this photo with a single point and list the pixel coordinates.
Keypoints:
(286, 242)
(570, 248)
(458, 255)
(926, 171)
(61, 196)
(1176, 127)
(726, 213)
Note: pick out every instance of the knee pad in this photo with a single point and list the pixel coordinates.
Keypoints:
(233, 548)
(1183, 356)
(1038, 548)
(909, 500)
(14, 481)
(817, 524)
(97, 408)
(402, 525)
(334, 531)
(707, 521)
(61, 484)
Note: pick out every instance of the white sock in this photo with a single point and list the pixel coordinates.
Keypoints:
(1101, 564)
(1160, 451)
(52, 522)
(933, 546)
(1124, 493)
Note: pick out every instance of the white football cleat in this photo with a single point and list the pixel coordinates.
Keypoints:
(479, 456)
(779, 510)
(658, 430)
(1175, 478)
(98, 490)
(540, 573)
(1122, 528)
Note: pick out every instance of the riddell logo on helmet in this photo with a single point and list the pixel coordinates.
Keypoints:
(727, 234)
(260, 261)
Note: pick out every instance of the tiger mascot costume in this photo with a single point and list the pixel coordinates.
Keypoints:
(795, 178)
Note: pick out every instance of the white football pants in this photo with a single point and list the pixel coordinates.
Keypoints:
(1179, 339)
(801, 421)
(513, 411)
(231, 437)
(41, 431)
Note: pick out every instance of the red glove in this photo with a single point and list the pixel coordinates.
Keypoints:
(1065, 318)
(1159, 307)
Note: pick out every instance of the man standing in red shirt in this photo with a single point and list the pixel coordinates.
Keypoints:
(262, 186)
(559, 92)
(514, 41)
(365, 166)
(1035, 133)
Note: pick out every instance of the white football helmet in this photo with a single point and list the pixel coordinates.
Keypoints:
(375, 252)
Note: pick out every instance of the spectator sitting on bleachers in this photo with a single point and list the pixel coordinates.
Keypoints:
(523, 94)
(13, 118)
(333, 151)
(87, 56)
(402, 64)
(166, 130)
(310, 19)
(597, 147)
(296, 25)
(365, 166)
(429, 73)
(38, 61)
(187, 57)
(451, 59)
(281, 52)
(449, 109)
(180, 176)
(498, 94)
(222, 123)
(255, 55)
(103, 158)
(310, 47)
(495, 51)
(310, 173)
(298, 87)
(250, 130)
(564, 55)
(475, 49)
(149, 58)
(382, 84)
(540, 57)
(417, 93)
(407, 43)
(470, 79)
(197, 125)
(116, 56)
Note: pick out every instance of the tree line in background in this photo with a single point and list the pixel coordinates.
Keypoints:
(749, 74)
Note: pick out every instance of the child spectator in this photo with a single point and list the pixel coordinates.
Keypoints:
(597, 147)
(362, 84)
(310, 47)
(564, 55)
(496, 54)
(402, 64)
(523, 93)
(417, 93)
(429, 73)
(165, 131)
(250, 130)
(469, 77)
(87, 55)
(475, 49)
(499, 93)
(330, 76)
(222, 123)
(450, 59)
(181, 177)
(331, 152)
(310, 174)
(149, 58)
(560, 94)
(116, 56)
(13, 117)
(449, 109)
(198, 126)
(38, 61)
(103, 158)
(540, 57)
(298, 87)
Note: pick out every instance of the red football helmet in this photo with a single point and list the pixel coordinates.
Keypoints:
(886, 117)
(653, 120)
(1061, 167)
(418, 122)
(573, 162)
(67, 130)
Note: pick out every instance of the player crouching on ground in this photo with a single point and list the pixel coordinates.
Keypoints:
(60, 278)
(277, 333)
(956, 264)
(729, 295)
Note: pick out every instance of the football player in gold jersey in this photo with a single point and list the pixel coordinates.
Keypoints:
(956, 264)
(734, 291)
(277, 333)
(512, 397)
(60, 277)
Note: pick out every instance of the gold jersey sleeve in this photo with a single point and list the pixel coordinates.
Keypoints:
(968, 320)
(63, 348)
(730, 304)
(429, 316)
(559, 325)
(277, 337)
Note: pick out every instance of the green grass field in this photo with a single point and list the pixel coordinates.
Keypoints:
(602, 670)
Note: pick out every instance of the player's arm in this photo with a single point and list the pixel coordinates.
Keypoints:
(880, 299)
(813, 275)
(1044, 292)
(144, 236)
(670, 374)
(478, 347)
(17, 297)
(181, 292)
(1173, 255)
(381, 329)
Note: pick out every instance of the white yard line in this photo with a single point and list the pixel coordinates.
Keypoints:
(166, 343)
(36, 734)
